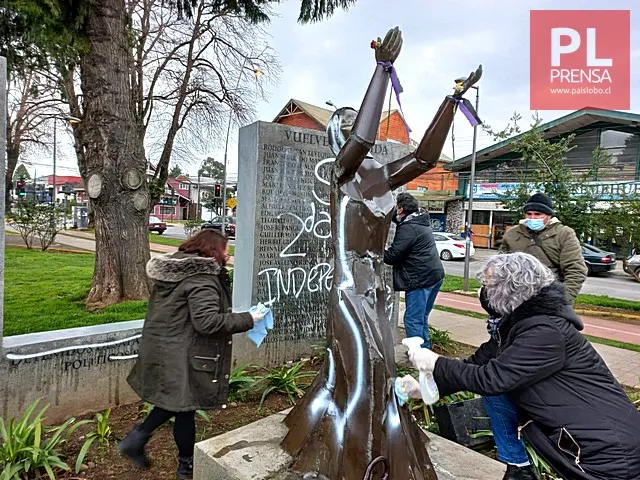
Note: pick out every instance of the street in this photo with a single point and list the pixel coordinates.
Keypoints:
(618, 284)
(175, 230)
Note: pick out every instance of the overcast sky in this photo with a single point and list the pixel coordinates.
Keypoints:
(443, 40)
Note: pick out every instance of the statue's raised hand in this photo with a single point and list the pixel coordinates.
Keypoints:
(389, 49)
(464, 84)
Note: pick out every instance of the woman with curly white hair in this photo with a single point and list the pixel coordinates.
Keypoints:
(570, 407)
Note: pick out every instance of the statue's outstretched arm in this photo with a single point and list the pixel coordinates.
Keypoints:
(425, 157)
(365, 128)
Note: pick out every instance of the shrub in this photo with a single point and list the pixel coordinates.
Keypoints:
(192, 226)
(284, 380)
(241, 382)
(29, 448)
(102, 433)
(36, 220)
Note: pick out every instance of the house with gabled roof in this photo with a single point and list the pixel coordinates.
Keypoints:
(434, 189)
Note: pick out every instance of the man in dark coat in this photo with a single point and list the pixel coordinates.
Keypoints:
(571, 408)
(417, 269)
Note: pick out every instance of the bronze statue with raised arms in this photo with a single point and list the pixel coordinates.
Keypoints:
(349, 422)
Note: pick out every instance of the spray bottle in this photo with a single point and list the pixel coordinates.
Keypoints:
(428, 386)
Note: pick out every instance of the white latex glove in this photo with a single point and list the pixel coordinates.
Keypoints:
(423, 359)
(410, 386)
(258, 312)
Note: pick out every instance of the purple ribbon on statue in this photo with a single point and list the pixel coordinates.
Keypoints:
(397, 88)
(467, 113)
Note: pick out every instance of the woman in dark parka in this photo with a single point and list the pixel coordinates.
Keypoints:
(184, 358)
(571, 408)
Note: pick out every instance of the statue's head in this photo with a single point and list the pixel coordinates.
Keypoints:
(339, 127)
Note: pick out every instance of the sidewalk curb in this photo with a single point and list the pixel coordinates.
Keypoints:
(607, 314)
(470, 293)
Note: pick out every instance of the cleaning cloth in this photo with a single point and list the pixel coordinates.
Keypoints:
(259, 331)
(400, 393)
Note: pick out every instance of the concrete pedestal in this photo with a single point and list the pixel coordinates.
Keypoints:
(253, 452)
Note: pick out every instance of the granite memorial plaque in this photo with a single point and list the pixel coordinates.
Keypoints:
(283, 253)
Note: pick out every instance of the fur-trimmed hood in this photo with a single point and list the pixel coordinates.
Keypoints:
(175, 267)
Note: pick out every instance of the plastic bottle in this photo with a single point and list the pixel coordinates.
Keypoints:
(428, 386)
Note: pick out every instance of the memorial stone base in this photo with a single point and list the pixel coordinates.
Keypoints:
(254, 452)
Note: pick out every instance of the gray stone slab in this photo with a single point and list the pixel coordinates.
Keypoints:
(68, 336)
(75, 371)
(283, 252)
(253, 452)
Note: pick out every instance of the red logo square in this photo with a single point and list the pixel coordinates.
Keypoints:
(580, 58)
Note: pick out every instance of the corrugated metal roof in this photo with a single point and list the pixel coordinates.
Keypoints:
(563, 125)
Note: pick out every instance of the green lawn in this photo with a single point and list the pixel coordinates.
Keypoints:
(162, 240)
(452, 283)
(605, 301)
(44, 291)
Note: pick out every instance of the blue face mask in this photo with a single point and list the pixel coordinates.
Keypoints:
(535, 224)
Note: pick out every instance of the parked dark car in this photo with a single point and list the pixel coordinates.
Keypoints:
(631, 265)
(157, 225)
(216, 224)
(597, 260)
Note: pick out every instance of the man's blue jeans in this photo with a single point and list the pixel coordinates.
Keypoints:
(504, 424)
(419, 304)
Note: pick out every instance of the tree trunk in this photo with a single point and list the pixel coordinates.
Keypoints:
(115, 165)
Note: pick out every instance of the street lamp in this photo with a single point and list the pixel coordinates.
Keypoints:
(198, 205)
(72, 120)
(257, 73)
(331, 104)
(470, 208)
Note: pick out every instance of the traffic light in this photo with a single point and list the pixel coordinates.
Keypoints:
(217, 192)
(20, 190)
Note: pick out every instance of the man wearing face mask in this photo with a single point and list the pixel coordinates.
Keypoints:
(417, 269)
(542, 235)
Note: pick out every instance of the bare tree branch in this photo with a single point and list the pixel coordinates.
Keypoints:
(191, 75)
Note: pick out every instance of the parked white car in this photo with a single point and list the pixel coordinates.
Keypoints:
(451, 246)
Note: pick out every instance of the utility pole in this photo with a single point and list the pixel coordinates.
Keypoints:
(198, 208)
(55, 147)
(467, 252)
(258, 73)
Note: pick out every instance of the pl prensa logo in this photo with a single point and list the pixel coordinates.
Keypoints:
(580, 58)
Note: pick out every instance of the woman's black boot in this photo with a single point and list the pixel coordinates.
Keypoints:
(185, 468)
(133, 447)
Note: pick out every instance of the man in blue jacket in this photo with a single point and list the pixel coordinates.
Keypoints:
(417, 269)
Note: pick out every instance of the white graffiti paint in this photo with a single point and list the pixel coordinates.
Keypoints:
(18, 356)
(308, 225)
(322, 180)
(294, 280)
